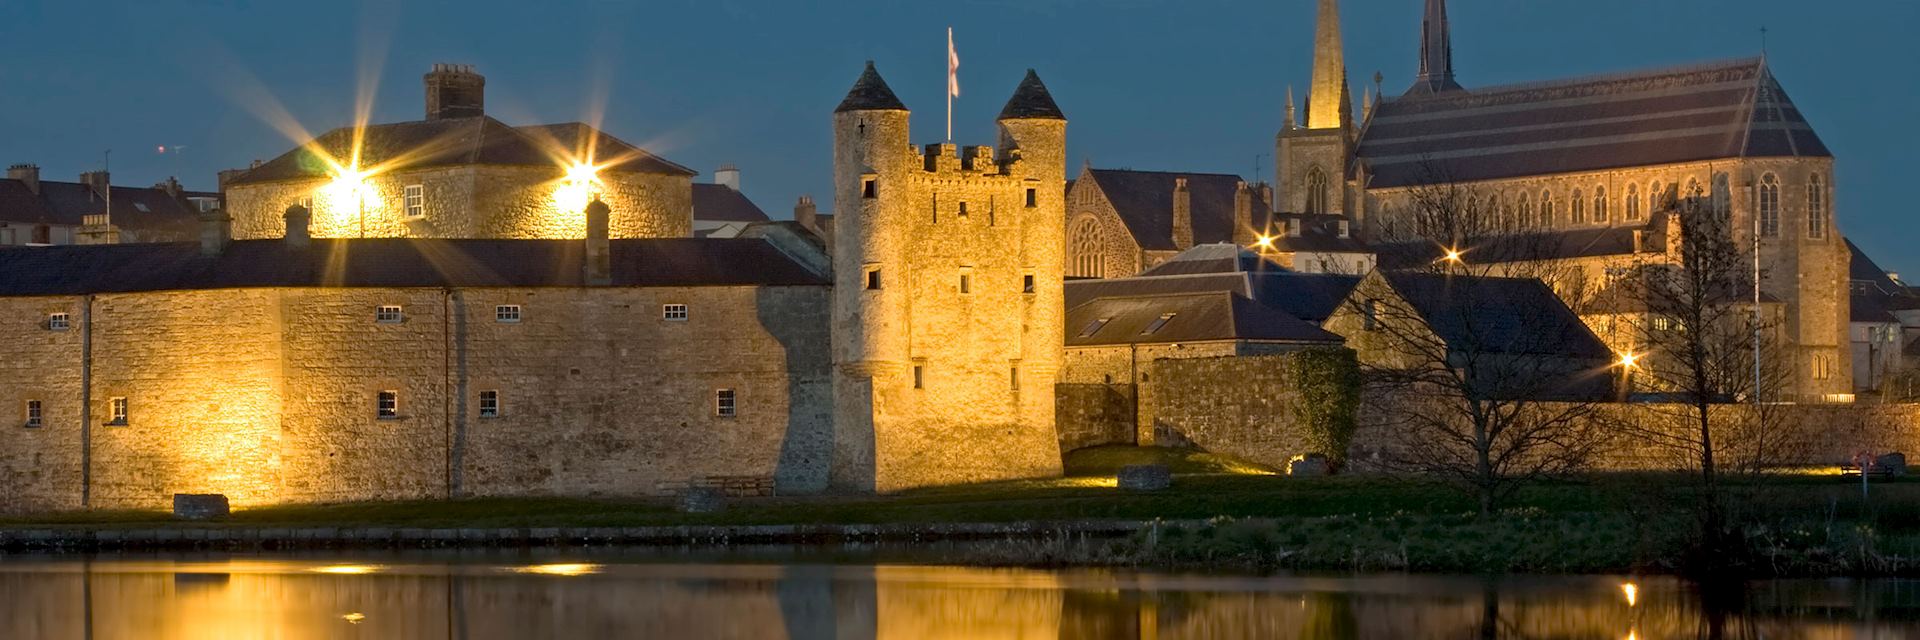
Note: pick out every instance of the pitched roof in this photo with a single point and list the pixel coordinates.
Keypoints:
(1218, 257)
(1031, 100)
(1497, 315)
(68, 203)
(1718, 110)
(459, 141)
(1190, 317)
(1319, 233)
(1311, 297)
(1559, 244)
(1144, 202)
(720, 203)
(1862, 268)
(392, 262)
(870, 93)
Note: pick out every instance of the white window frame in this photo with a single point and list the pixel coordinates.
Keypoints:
(382, 399)
(726, 403)
(507, 313)
(489, 403)
(118, 414)
(36, 414)
(673, 312)
(59, 321)
(389, 314)
(414, 200)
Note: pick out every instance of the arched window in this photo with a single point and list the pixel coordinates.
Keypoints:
(1657, 197)
(1316, 191)
(1816, 206)
(1769, 205)
(1600, 209)
(1633, 202)
(1546, 209)
(1579, 204)
(1722, 198)
(1693, 188)
(1525, 217)
(1087, 259)
(1493, 215)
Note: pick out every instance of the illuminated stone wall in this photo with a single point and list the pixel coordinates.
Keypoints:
(40, 467)
(971, 418)
(470, 201)
(1119, 253)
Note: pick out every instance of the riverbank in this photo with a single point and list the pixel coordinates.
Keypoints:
(1217, 515)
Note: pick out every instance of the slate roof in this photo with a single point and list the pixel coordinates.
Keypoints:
(1718, 110)
(1518, 316)
(870, 93)
(1144, 202)
(720, 203)
(1549, 245)
(1031, 100)
(1862, 268)
(1310, 297)
(1869, 308)
(1219, 257)
(1319, 233)
(460, 141)
(392, 262)
(1913, 348)
(68, 203)
(1196, 317)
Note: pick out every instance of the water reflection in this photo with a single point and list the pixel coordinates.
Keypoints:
(433, 597)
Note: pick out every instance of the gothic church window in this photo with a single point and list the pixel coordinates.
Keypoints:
(1769, 205)
(1526, 212)
(1816, 207)
(1656, 197)
(1600, 211)
(1546, 209)
(1722, 197)
(1633, 202)
(1087, 258)
(1317, 196)
(1579, 204)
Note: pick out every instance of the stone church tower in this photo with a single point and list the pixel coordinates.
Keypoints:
(1311, 160)
(947, 301)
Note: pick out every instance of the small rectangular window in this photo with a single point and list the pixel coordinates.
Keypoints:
(387, 314)
(415, 199)
(1158, 324)
(117, 411)
(489, 404)
(1033, 197)
(723, 400)
(966, 283)
(1026, 283)
(1013, 377)
(1662, 324)
(58, 322)
(673, 312)
(919, 376)
(963, 209)
(873, 280)
(868, 188)
(508, 313)
(1371, 316)
(389, 407)
(34, 417)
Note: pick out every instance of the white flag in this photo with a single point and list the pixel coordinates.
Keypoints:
(953, 67)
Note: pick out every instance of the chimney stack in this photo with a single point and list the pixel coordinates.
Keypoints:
(1242, 214)
(299, 234)
(97, 182)
(728, 175)
(28, 174)
(171, 186)
(805, 213)
(455, 91)
(599, 268)
(1182, 215)
(216, 232)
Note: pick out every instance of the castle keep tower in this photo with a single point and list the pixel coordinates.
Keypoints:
(1311, 161)
(947, 301)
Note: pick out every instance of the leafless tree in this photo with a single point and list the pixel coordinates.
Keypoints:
(1469, 375)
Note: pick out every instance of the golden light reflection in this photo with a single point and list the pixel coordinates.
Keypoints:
(564, 569)
(579, 187)
(1632, 591)
(347, 569)
(354, 618)
(1630, 360)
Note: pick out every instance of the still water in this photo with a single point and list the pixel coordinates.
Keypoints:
(626, 596)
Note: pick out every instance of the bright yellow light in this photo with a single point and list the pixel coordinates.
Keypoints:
(343, 201)
(577, 188)
(572, 569)
(346, 569)
(1632, 592)
(1453, 256)
(1263, 242)
(354, 618)
(1629, 359)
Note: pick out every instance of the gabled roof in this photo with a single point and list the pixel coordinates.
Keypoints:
(720, 203)
(391, 262)
(68, 203)
(1190, 317)
(1031, 100)
(1319, 233)
(1310, 297)
(460, 141)
(1862, 268)
(1218, 257)
(1719, 110)
(870, 93)
(1481, 314)
(1144, 202)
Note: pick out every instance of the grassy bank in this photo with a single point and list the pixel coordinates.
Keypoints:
(1803, 524)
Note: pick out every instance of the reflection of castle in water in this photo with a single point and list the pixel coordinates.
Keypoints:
(302, 599)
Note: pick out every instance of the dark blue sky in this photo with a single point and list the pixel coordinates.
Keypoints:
(1193, 85)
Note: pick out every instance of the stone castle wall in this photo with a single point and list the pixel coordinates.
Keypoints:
(270, 395)
(471, 201)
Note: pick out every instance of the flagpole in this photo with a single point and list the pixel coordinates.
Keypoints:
(949, 89)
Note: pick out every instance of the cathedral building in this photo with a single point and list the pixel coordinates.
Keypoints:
(1598, 163)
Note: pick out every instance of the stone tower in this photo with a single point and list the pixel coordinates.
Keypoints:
(1311, 165)
(947, 301)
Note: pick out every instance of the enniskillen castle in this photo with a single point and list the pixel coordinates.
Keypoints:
(457, 306)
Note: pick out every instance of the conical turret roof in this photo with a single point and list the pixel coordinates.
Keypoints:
(1031, 101)
(870, 93)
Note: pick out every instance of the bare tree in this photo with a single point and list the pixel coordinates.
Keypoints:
(1474, 370)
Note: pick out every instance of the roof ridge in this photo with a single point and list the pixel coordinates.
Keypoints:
(1173, 173)
(1595, 78)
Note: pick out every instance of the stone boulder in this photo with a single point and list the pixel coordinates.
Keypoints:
(200, 506)
(1144, 477)
(703, 500)
(1310, 465)
(1893, 464)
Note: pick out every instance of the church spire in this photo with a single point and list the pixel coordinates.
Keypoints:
(1436, 53)
(1324, 99)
